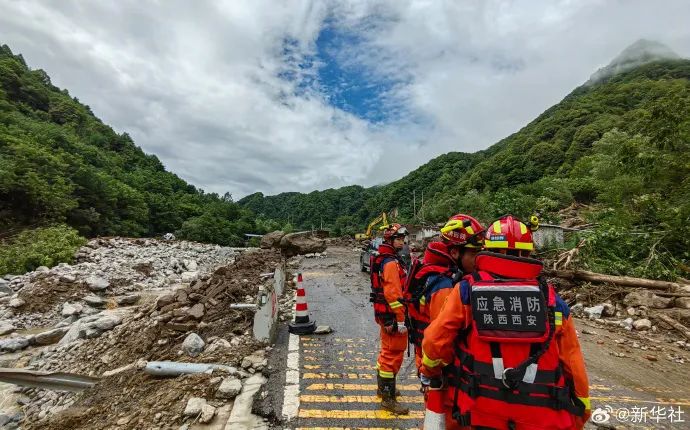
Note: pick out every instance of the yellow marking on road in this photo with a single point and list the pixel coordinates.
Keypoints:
(350, 428)
(356, 399)
(324, 375)
(358, 387)
(596, 387)
(323, 351)
(357, 359)
(310, 358)
(613, 399)
(317, 367)
(359, 414)
(311, 344)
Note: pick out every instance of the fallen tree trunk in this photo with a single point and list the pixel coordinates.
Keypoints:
(627, 281)
(675, 324)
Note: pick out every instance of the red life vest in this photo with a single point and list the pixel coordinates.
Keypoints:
(383, 314)
(510, 375)
(437, 264)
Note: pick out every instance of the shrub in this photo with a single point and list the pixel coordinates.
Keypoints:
(43, 246)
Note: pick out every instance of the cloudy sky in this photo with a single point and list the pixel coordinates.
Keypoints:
(274, 96)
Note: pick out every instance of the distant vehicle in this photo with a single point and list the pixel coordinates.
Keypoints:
(370, 249)
(373, 248)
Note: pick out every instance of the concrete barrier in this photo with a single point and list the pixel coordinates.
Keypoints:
(266, 314)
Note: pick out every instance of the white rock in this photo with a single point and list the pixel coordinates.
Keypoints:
(207, 414)
(13, 344)
(627, 323)
(68, 278)
(96, 283)
(42, 269)
(16, 303)
(194, 407)
(6, 327)
(69, 309)
(642, 324)
(190, 265)
(193, 345)
(93, 300)
(594, 312)
(107, 322)
(229, 388)
(189, 277)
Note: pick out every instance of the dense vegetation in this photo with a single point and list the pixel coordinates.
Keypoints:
(59, 164)
(620, 146)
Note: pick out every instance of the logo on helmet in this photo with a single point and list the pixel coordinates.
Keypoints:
(498, 237)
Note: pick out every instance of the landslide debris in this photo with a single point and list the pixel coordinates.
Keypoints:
(112, 332)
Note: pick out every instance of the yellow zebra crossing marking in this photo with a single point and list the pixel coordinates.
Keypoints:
(359, 414)
(317, 367)
(358, 387)
(337, 376)
(625, 399)
(356, 399)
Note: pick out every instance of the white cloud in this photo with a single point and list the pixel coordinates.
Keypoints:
(198, 83)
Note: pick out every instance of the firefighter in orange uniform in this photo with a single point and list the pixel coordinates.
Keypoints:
(510, 341)
(453, 255)
(430, 282)
(387, 278)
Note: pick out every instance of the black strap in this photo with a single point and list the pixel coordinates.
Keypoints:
(560, 399)
(542, 377)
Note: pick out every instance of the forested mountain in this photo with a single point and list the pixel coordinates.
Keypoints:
(619, 144)
(60, 164)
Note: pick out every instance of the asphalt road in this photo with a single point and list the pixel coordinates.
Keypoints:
(336, 371)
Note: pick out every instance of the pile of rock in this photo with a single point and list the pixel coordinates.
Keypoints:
(634, 311)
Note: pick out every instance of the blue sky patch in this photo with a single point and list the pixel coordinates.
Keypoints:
(337, 70)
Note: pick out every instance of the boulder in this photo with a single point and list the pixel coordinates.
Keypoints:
(68, 278)
(106, 322)
(13, 344)
(189, 277)
(128, 300)
(194, 407)
(190, 265)
(42, 269)
(5, 288)
(6, 327)
(271, 240)
(627, 323)
(96, 283)
(69, 309)
(594, 312)
(609, 310)
(642, 324)
(50, 337)
(207, 414)
(165, 300)
(682, 302)
(301, 243)
(196, 311)
(646, 298)
(229, 388)
(95, 301)
(16, 303)
(193, 344)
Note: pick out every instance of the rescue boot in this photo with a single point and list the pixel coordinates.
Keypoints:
(388, 397)
(378, 389)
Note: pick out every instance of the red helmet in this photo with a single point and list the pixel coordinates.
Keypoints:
(391, 231)
(463, 230)
(509, 232)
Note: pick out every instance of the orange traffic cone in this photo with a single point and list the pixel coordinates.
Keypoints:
(434, 416)
(301, 324)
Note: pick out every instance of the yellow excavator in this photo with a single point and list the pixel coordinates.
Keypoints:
(382, 219)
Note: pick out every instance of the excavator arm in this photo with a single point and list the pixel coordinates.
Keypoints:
(383, 219)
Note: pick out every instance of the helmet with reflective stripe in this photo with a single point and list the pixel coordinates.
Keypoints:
(391, 231)
(463, 230)
(508, 232)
